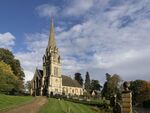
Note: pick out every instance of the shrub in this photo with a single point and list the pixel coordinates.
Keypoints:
(102, 104)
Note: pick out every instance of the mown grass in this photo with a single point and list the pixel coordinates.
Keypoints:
(62, 106)
(7, 101)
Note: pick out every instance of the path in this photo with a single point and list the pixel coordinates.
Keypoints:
(32, 107)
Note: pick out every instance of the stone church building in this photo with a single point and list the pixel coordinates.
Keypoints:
(50, 80)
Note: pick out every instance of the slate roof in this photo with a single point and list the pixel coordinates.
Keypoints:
(68, 81)
(40, 73)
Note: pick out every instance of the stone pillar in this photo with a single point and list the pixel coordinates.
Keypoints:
(126, 102)
(126, 99)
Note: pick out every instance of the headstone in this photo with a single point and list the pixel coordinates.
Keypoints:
(126, 99)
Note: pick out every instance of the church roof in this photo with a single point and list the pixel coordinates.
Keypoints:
(68, 81)
(40, 73)
(51, 42)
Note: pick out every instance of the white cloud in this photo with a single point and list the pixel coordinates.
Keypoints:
(29, 75)
(109, 46)
(32, 59)
(73, 8)
(114, 41)
(78, 7)
(36, 41)
(7, 40)
(47, 10)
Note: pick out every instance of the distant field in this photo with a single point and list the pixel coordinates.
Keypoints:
(7, 101)
(61, 106)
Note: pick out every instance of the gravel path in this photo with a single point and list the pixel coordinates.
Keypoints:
(32, 107)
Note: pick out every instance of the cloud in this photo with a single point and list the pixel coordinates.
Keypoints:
(32, 59)
(7, 40)
(113, 39)
(29, 75)
(136, 66)
(78, 7)
(111, 42)
(72, 8)
(47, 10)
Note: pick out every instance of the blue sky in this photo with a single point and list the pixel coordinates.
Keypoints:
(99, 36)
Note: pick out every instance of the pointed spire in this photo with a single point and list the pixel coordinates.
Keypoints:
(51, 42)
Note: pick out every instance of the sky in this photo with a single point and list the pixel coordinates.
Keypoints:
(98, 36)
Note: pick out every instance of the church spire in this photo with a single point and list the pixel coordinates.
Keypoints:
(51, 42)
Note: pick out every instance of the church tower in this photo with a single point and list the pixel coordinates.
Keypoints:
(52, 79)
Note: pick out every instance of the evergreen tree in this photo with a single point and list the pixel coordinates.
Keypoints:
(87, 82)
(79, 78)
(95, 85)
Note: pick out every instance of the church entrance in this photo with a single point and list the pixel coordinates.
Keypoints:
(51, 93)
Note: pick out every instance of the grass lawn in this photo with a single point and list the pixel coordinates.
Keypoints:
(7, 101)
(61, 106)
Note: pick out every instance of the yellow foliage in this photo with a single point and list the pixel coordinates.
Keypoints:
(7, 79)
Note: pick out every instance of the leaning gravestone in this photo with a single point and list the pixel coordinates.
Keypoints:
(126, 99)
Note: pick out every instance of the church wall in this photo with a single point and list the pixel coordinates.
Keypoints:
(52, 68)
(72, 90)
(55, 85)
(36, 85)
(55, 79)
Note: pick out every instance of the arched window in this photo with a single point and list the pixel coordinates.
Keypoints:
(59, 59)
(72, 90)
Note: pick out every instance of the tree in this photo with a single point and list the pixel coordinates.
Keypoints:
(111, 86)
(108, 76)
(140, 90)
(8, 57)
(95, 85)
(79, 78)
(8, 80)
(87, 82)
(28, 86)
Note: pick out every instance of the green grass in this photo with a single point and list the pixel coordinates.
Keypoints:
(61, 106)
(7, 101)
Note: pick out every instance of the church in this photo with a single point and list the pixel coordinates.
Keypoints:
(50, 80)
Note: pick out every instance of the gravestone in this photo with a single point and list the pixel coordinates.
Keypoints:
(126, 99)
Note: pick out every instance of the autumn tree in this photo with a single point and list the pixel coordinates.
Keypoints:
(8, 80)
(79, 78)
(87, 82)
(140, 90)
